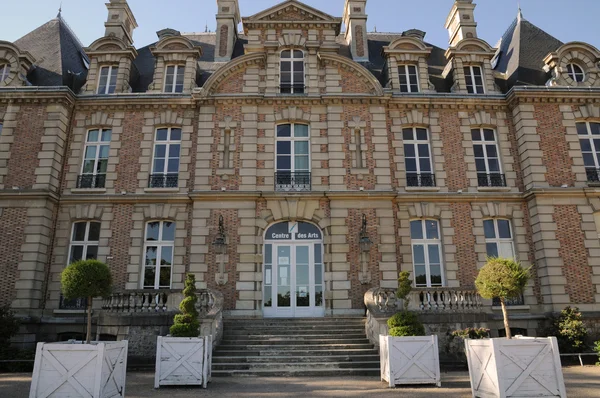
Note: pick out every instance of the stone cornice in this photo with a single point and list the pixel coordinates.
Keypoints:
(37, 95)
(573, 95)
(133, 101)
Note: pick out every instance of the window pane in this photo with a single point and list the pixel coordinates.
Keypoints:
(476, 71)
(423, 150)
(582, 128)
(318, 274)
(159, 166)
(478, 150)
(409, 150)
(284, 147)
(476, 135)
(416, 229)
(88, 166)
(588, 160)
(586, 145)
(425, 165)
(436, 275)
(504, 229)
(488, 227)
(301, 163)
(595, 128)
(298, 54)
(491, 151)
(168, 232)
(94, 233)
(92, 252)
(286, 54)
(494, 165)
(301, 147)
(106, 135)
(152, 230)
(420, 276)
(162, 134)
(79, 231)
(407, 134)
(434, 254)
(150, 258)
(506, 250)
(166, 255)
(300, 130)
(103, 152)
(298, 66)
(284, 130)
(165, 277)
(92, 136)
(491, 249)
(102, 166)
(175, 134)
(286, 66)
(284, 163)
(432, 229)
(489, 135)
(149, 275)
(76, 253)
(422, 134)
(411, 164)
(173, 166)
(418, 254)
(268, 254)
(174, 151)
(480, 164)
(90, 152)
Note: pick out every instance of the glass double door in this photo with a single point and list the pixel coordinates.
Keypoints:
(293, 280)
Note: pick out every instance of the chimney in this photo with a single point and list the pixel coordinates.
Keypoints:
(228, 19)
(121, 21)
(355, 19)
(461, 22)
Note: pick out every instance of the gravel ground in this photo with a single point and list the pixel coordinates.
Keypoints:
(581, 383)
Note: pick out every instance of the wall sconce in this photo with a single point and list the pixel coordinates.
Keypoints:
(220, 246)
(365, 244)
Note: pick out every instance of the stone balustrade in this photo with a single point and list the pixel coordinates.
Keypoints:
(138, 301)
(445, 299)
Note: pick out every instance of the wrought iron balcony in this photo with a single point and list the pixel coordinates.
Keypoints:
(593, 175)
(91, 181)
(509, 302)
(287, 88)
(163, 181)
(491, 180)
(75, 304)
(288, 181)
(420, 180)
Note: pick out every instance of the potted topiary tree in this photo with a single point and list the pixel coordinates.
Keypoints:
(93, 369)
(184, 358)
(510, 367)
(407, 355)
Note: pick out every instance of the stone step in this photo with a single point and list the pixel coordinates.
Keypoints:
(293, 330)
(296, 340)
(355, 358)
(292, 336)
(286, 347)
(313, 372)
(282, 323)
(294, 353)
(293, 365)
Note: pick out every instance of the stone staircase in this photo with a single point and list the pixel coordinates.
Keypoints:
(295, 347)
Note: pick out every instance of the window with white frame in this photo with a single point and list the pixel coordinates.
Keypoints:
(85, 237)
(589, 139)
(417, 157)
(95, 159)
(487, 158)
(409, 79)
(4, 72)
(107, 82)
(498, 238)
(165, 162)
(292, 72)
(427, 253)
(292, 157)
(174, 79)
(159, 245)
(474, 80)
(576, 73)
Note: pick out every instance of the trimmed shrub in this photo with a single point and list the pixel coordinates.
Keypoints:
(569, 330)
(471, 333)
(597, 350)
(186, 324)
(404, 287)
(404, 324)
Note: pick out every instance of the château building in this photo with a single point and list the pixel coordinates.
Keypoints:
(295, 165)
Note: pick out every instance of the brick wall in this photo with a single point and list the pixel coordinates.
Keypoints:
(119, 243)
(12, 227)
(26, 147)
(352, 180)
(233, 84)
(130, 152)
(572, 250)
(216, 180)
(352, 83)
(454, 153)
(465, 243)
(360, 43)
(554, 147)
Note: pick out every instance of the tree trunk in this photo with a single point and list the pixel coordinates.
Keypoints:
(505, 315)
(88, 338)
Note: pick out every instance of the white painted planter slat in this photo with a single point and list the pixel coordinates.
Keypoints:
(409, 360)
(183, 361)
(521, 367)
(79, 370)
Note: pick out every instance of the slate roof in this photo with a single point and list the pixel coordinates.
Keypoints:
(58, 53)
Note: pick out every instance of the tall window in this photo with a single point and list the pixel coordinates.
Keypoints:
(576, 73)
(292, 72)
(95, 160)
(498, 238)
(158, 254)
(108, 79)
(165, 165)
(84, 241)
(358, 151)
(589, 139)
(417, 155)
(174, 79)
(474, 79)
(293, 158)
(427, 253)
(226, 149)
(487, 158)
(4, 72)
(409, 80)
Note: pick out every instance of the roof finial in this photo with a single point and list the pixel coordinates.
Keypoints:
(59, 11)
(520, 14)
(375, 29)
(206, 28)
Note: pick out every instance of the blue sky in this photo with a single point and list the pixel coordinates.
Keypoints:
(560, 18)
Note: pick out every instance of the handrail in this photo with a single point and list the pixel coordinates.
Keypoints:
(445, 299)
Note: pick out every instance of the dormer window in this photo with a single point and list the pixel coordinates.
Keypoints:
(4, 72)
(174, 79)
(107, 83)
(474, 80)
(576, 73)
(292, 72)
(409, 80)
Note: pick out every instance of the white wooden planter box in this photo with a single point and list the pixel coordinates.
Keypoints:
(95, 370)
(409, 360)
(183, 361)
(521, 367)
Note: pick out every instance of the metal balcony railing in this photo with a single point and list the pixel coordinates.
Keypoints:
(75, 304)
(163, 181)
(593, 175)
(509, 302)
(491, 180)
(91, 181)
(287, 88)
(288, 181)
(420, 180)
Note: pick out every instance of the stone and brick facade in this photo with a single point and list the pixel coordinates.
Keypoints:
(225, 162)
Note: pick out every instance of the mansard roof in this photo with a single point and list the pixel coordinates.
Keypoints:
(60, 58)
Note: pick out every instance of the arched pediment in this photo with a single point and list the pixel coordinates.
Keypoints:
(108, 44)
(174, 43)
(578, 46)
(407, 43)
(357, 70)
(474, 45)
(18, 63)
(237, 64)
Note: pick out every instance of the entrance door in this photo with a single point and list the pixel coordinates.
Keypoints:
(293, 279)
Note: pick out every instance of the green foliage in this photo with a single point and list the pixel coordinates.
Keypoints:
(472, 333)
(404, 285)
(501, 277)
(186, 324)
(86, 278)
(405, 323)
(9, 326)
(569, 330)
(597, 350)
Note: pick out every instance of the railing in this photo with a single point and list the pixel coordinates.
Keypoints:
(289, 181)
(288, 88)
(509, 302)
(91, 181)
(420, 180)
(381, 300)
(593, 175)
(163, 181)
(445, 299)
(74, 304)
(491, 180)
(138, 301)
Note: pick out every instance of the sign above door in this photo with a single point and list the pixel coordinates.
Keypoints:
(293, 230)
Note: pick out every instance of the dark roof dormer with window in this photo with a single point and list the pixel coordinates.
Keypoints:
(14, 65)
